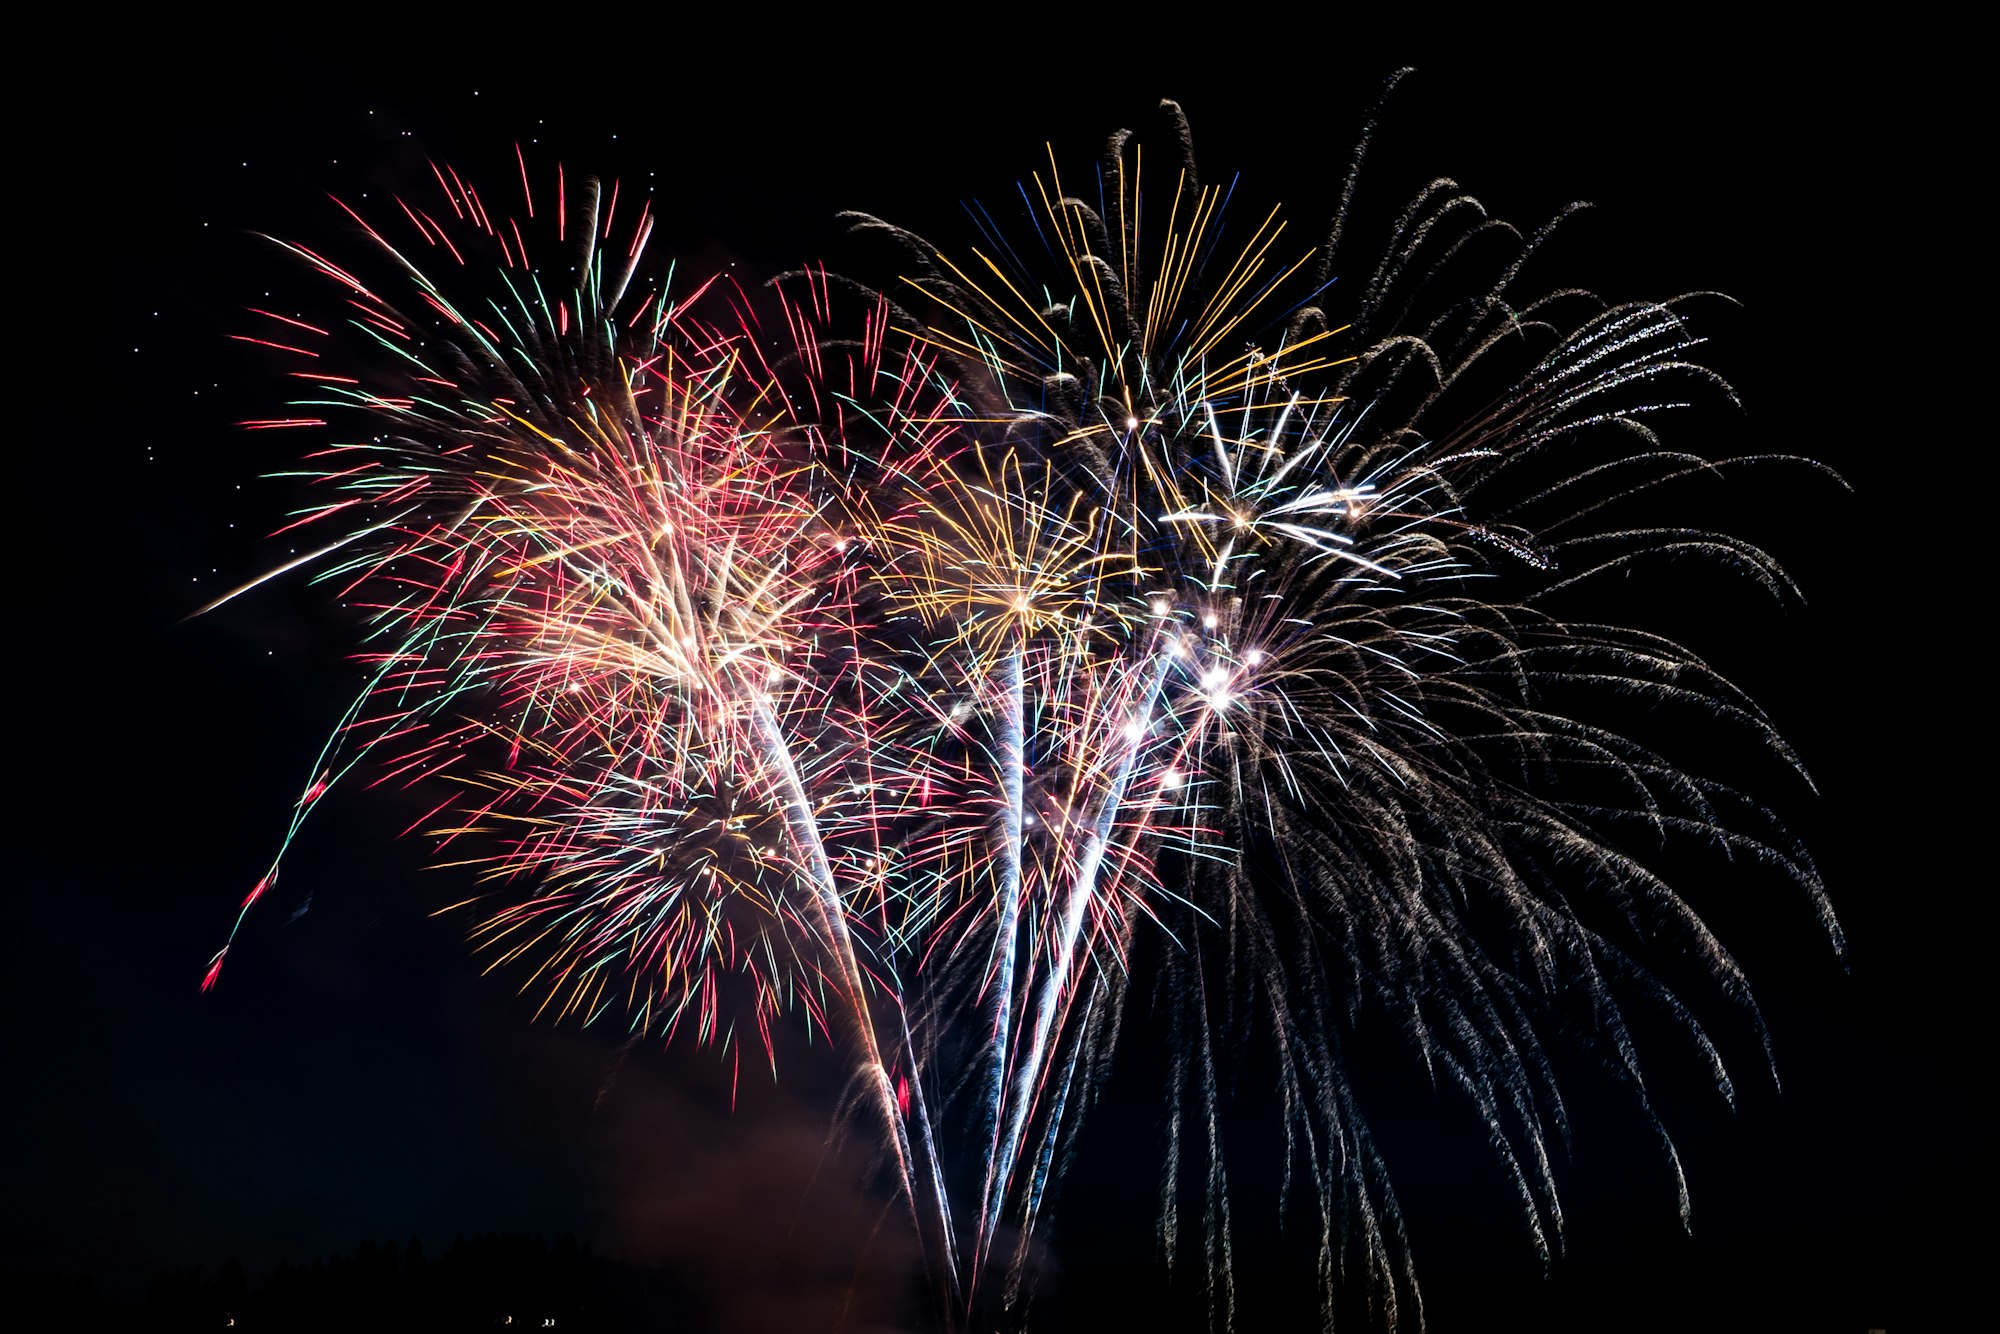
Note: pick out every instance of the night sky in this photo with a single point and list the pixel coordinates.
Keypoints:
(354, 1076)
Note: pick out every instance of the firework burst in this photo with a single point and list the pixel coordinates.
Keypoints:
(905, 660)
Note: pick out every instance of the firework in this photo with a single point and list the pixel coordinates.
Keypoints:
(922, 658)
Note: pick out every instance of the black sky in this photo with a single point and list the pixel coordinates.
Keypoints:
(355, 1076)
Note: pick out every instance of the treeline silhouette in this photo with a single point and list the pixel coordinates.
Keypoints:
(494, 1282)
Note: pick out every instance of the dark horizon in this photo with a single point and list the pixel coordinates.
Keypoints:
(355, 1077)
